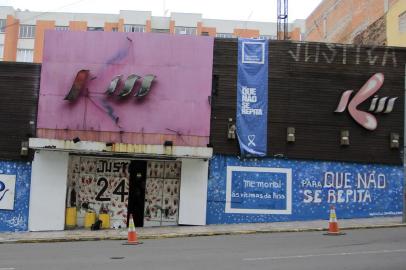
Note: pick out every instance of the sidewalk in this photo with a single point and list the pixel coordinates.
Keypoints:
(190, 231)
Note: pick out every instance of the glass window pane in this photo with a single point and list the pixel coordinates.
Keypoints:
(25, 55)
(267, 37)
(1, 51)
(155, 30)
(224, 35)
(402, 22)
(3, 25)
(62, 28)
(27, 31)
(181, 30)
(95, 29)
(134, 28)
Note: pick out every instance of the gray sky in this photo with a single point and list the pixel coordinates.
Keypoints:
(252, 10)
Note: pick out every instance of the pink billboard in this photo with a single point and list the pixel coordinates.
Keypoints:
(140, 88)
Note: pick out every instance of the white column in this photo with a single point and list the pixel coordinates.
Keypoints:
(48, 191)
(193, 192)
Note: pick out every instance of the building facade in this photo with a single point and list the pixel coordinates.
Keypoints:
(340, 21)
(142, 125)
(122, 129)
(22, 32)
(333, 123)
(18, 106)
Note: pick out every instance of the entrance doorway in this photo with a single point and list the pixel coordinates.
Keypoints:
(162, 193)
(138, 171)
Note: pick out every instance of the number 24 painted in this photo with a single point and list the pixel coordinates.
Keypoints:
(119, 190)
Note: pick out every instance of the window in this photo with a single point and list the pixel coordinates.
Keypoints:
(180, 30)
(134, 28)
(1, 52)
(267, 37)
(402, 22)
(3, 23)
(25, 55)
(62, 28)
(224, 35)
(114, 29)
(27, 31)
(95, 29)
(205, 34)
(160, 30)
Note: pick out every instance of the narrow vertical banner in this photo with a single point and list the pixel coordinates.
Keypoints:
(252, 97)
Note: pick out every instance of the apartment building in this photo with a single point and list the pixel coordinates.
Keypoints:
(22, 32)
(340, 21)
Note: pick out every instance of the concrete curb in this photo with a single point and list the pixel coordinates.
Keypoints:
(193, 234)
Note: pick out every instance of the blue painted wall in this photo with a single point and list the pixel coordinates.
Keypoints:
(17, 219)
(261, 192)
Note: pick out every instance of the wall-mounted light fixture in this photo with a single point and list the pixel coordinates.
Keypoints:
(168, 143)
(76, 140)
(345, 137)
(290, 135)
(109, 146)
(394, 140)
(24, 148)
(231, 129)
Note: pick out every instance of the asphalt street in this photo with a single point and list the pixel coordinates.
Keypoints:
(358, 249)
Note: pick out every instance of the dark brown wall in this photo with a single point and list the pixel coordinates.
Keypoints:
(306, 81)
(19, 87)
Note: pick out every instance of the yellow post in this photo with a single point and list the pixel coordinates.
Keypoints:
(105, 218)
(90, 219)
(70, 217)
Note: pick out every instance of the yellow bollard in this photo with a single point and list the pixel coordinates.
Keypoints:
(90, 219)
(70, 217)
(105, 218)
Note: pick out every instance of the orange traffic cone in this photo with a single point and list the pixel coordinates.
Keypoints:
(132, 234)
(333, 224)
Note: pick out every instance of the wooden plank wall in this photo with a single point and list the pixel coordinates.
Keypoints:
(306, 81)
(19, 88)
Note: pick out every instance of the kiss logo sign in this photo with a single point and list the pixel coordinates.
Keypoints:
(82, 77)
(79, 86)
(378, 105)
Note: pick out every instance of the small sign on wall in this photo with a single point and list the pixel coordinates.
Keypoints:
(258, 190)
(7, 191)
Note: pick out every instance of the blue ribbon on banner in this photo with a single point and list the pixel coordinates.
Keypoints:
(252, 97)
